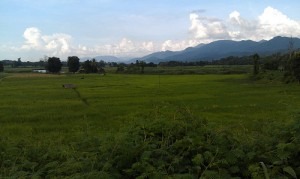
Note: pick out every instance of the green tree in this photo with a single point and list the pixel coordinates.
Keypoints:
(121, 68)
(1, 67)
(101, 63)
(94, 66)
(271, 64)
(86, 66)
(19, 62)
(295, 66)
(142, 65)
(53, 65)
(73, 64)
(255, 64)
(90, 66)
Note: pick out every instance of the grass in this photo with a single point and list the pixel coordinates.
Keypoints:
(40, 118)
(37, 102)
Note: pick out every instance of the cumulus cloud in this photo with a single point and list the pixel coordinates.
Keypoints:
(241, 28)
(59, 44)
(125, 48)
(207, 28)
(32, 37)
(272, 22)
(56, 44)
(178, 45)
(203, 29)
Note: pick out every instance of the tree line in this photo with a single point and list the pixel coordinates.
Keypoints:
(289, 63)
(54, 65)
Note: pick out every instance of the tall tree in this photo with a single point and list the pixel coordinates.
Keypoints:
(295, 67)
(255, 64)
(53, 65)
(94, 66)
(1, 67)
(142, 65)
(73, 64)
(19, 62)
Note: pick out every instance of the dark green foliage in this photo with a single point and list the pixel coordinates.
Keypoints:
(271, 64)
(184, 145)
(1, 67)
(90, 66)
(161, 144)
(255, 64)
(120, 68)
(53, 65)
(74, 139)
(19, 62)
(101, 64)
(295, 67)
(73, 64)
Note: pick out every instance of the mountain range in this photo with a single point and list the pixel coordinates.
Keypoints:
(213, 51)
(224, 48)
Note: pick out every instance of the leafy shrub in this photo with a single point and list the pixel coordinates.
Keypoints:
(159, 145)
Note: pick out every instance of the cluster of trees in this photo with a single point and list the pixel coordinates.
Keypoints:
(54, 65)
(180, 63)
(91, 66)
(288, 62)
(1, 67)
(231, 60)
(292, 68)
(20, 63)
(137, 67)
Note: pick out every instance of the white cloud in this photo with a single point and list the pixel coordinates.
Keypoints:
(207, 28)
(149, 46)
(32, 37)
(124, 48)
(272, 23)
(56, 44)
(178, 45)
(127, 47)
(59, 44)
(240, 28)
(203, 29)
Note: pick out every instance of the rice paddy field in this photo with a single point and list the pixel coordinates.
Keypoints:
(38, 102)
(35, 109)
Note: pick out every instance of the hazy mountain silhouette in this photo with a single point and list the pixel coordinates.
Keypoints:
(104, 58)
(224, 48)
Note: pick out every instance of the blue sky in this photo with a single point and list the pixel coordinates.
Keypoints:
(31, 29)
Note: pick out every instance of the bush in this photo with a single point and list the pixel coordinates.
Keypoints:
(161, 144)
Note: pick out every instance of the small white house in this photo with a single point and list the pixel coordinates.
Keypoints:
(39, 71)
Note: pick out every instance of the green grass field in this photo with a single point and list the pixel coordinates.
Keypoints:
(37, 110)
(39, 102)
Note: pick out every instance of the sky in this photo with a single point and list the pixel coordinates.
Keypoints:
(33, 29)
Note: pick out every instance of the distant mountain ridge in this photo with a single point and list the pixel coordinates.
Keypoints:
(106, 58)
(224, 48)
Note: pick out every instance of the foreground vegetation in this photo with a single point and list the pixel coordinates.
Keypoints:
(147, 126)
